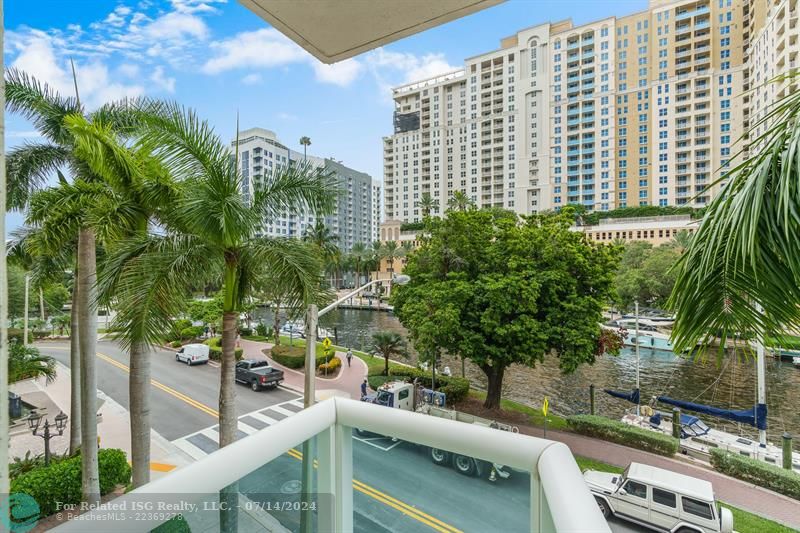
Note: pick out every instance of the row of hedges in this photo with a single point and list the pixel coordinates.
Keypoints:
(456, 389)
(61, 481)
(216, 350)
(15, 335)
(295, 356)
(621, 433)
(757, 472)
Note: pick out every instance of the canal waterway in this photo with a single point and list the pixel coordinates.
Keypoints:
(730, 383)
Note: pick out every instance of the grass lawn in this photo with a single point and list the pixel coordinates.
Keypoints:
(257, 338)
(743, 522)
(789, 342)
(534, 415)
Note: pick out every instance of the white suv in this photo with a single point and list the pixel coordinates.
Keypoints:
(659, 499)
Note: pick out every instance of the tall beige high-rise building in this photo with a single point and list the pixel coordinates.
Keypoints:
(643, 109)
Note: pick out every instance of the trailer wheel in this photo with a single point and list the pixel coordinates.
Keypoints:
(439, 457)
(464, 465)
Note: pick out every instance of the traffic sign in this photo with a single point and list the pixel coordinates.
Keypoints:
(326, 342)
(545, 405)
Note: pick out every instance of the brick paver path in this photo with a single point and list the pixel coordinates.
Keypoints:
(349, 379)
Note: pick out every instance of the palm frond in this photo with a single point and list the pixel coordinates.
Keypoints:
(741, 271)
(148, 277)
(40, 104)
(28, 169)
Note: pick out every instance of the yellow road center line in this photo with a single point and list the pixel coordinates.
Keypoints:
(365, 489)
(392, 502)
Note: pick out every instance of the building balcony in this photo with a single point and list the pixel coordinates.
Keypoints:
(348, 480)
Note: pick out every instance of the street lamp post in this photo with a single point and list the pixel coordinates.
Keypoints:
(309, 390)
(60, 423)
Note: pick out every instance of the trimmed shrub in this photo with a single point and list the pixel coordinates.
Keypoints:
(37, 335)
(289, 356)
(376, 381)
(456, 389)
(61, 481)
(621, 433)
(176, 344)
(262, 330)
(181, 324)
(323, 359)
(765, 475)
(215, 350)
(192, 332)
(331, 366)
(245, 331)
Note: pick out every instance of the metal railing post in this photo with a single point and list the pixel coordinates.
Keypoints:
(343, 490)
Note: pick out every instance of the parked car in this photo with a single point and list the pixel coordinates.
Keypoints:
(659, 499)
(258, 374)
(193, 354)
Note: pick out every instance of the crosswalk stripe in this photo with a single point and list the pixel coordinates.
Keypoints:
(196, 452)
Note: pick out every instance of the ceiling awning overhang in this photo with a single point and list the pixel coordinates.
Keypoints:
(334, 30)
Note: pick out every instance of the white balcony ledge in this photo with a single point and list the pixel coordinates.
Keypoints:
(559, 500)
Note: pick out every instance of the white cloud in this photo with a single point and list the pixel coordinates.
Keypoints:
(96, 87)
(252, 79)
(268, 48)
(342, 73)
(195, 6)
(287, 116)
(410, 66)
(161, 81)
(129, 70)
(262, 48)
(173, 26)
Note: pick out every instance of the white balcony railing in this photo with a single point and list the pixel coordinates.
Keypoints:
(559, 500)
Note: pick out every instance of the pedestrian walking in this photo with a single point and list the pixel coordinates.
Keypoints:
(364, 389)
(349, 356)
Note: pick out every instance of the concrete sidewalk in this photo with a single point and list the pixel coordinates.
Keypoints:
(348, 382)
(113, 427)
(738, 493)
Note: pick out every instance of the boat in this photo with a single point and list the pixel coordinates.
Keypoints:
(796, 361)
(298, 329)
(697, 439)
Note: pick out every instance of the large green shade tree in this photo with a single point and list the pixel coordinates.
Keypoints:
(498, 290)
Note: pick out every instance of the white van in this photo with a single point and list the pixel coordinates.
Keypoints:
(659, 499)
(192, 354)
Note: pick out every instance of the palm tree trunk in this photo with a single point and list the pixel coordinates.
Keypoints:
(227, 392)
(41, 304)
(75, 375)
(87, 337)
(276, 323)
(139, 390)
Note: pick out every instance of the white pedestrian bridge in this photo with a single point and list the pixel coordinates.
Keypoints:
(259, 479)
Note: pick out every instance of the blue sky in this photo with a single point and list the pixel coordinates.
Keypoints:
(216, 56)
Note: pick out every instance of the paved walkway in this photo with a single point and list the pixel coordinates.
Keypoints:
(738, 493)
(348, 381)
(113, 427)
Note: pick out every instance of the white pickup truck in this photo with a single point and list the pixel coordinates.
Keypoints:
(410, 397)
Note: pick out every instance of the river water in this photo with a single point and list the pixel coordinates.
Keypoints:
(730, 383)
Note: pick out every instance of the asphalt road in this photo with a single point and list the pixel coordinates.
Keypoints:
(396, 486)
(171, 416)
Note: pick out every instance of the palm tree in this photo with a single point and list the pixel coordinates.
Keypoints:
(306, 142)
(321, 237)
(741, 271)
(144, 189)
(387, 344)
(211, 232)
(28, 167)
(459, 201)
(427, 204)
(681, 240)
(375, 249)
(359, 256)
(390, 252)
(25, 362)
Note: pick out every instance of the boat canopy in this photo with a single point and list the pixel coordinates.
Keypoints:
(632, 396)
(756, 417)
